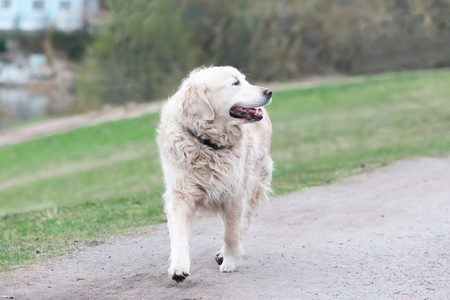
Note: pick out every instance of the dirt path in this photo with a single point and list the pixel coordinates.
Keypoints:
(384, 235)
(26, 132)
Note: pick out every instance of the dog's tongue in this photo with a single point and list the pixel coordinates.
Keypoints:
(250, 114)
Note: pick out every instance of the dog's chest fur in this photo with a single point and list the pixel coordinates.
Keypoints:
(212, 177)
(219, 178)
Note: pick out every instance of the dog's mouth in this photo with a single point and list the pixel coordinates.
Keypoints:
(249, 114)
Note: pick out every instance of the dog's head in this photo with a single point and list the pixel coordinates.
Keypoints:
(222, 94)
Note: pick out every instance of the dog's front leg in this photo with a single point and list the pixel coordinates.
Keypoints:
(179, 220)
(232, 250)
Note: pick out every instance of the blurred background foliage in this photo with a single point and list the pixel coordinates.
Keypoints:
(149, 46)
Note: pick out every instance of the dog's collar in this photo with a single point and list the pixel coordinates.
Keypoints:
(206, 142)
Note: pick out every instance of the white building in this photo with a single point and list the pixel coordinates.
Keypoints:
(32, 15)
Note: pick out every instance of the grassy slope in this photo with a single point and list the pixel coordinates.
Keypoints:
(60, 190)
(329, 132)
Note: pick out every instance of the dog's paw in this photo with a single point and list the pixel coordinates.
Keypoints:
(229, 265)
(219, 258)
(178, 275)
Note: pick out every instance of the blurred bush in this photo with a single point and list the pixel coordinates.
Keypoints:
(3, 42)
(73, 44)
(149, 46)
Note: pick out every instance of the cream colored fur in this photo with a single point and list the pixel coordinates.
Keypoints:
(231, 181)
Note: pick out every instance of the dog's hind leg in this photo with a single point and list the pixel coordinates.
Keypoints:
(179, 219)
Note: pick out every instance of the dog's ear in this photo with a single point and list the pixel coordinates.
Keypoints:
(194, 100)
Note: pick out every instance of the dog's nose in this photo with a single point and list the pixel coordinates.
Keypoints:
(267, 93)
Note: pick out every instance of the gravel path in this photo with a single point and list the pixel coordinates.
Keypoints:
(43, 128)
(383, 235)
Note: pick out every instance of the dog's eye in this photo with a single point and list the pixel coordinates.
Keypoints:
(237, 82)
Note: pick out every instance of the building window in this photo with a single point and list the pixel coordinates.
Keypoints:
(64, 5)
(6, 4)
(38, 4)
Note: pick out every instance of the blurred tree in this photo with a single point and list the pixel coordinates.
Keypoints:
(219, 31)
(150, 45)
(145, 49)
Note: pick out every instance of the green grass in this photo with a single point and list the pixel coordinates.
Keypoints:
(59, 191)
(326, 133)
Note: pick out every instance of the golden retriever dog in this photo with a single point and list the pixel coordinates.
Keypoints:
(214, 142)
